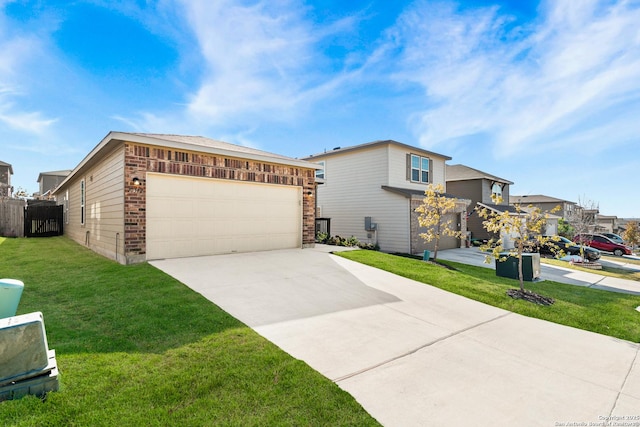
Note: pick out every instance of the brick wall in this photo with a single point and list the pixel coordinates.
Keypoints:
(140, 159)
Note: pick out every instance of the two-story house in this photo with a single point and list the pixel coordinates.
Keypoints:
(48, 181)
(546, 204)
(371, 191)
(479, 187)
(5, 179)
(607, 224)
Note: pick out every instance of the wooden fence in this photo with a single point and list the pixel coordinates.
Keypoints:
(12, 217)
(35, 220)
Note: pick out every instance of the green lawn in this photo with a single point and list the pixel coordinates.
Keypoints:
(594, 310)
(136, 347)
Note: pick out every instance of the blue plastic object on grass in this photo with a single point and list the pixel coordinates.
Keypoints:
(10, 294)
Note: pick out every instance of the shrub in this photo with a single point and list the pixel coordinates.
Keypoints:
(322, 237)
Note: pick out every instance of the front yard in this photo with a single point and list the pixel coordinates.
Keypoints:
(604, 312)
(136, 347)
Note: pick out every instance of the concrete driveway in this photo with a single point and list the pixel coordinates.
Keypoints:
(414, 355)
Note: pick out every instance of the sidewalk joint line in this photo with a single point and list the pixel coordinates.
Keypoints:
(415, 350)
(626, 378)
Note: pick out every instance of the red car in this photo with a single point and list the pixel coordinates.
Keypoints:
(602, 243)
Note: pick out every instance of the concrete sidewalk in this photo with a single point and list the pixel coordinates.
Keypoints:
(474, 256)
(414, 355)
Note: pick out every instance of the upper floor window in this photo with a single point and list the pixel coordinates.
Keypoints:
(496, 189)
(320, 172)
(419, 169)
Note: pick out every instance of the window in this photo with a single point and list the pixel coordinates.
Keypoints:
(66, 207)
(82, 199)
(419, 169)
(320, 172)
(496, 189)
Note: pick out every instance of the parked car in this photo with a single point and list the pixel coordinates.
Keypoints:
(616, 238)
(602, 243)
(560, 244)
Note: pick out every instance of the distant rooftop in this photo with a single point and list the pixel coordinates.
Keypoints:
(64, 172)
(339, 150)
(465, 173)
(7, 164)
(536, 198)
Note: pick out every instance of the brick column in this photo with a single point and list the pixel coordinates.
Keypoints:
(135, 217)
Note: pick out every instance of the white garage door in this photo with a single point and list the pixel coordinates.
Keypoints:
(189, 216)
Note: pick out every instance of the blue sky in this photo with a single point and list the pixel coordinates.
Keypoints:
(546, 95)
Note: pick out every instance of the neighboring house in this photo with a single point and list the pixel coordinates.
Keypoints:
(585, 219)
(138, 197)
(5, 179)
(623, 224)
(48, 181)
(546, 204)
(371, 191)
(478, 186)
(607, 224)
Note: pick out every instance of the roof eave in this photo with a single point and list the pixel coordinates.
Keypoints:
(506, 208)
(149, 140)
(114, 138)
(374, 144)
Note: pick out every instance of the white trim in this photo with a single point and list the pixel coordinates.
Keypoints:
(419, 168)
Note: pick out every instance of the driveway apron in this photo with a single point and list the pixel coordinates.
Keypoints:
(414, 355)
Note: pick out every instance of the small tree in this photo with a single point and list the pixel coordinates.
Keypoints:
(433, 213)
(565, 229)
(526, 226)
(632, 233)
(583, 219)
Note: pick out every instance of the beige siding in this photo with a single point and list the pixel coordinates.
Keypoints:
(353, 190)
(104, 200)
(398, 169)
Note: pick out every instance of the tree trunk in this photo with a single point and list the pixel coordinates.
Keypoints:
(435, 252)
(520, 276)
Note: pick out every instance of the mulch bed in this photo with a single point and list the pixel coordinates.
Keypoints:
(530, 296)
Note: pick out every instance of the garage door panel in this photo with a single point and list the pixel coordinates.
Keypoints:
(189, 216)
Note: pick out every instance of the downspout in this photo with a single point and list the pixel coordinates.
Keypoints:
(117, 241)
(411, 248)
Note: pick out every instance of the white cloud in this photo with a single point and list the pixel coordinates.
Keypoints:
(17, 53)
(259, 62)
(259, 59)
(30, 122)
(562, 79)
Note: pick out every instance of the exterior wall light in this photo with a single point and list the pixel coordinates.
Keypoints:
(136, 181)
